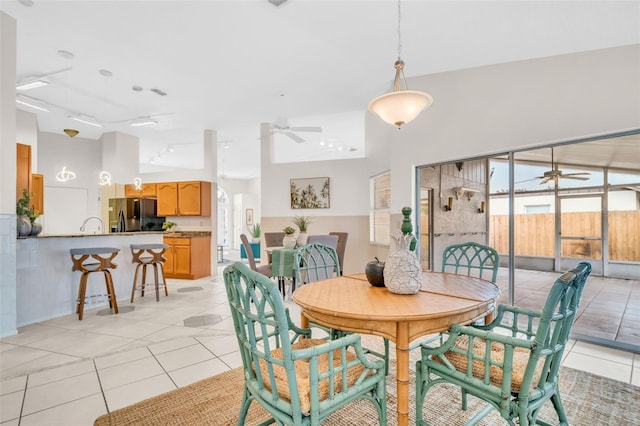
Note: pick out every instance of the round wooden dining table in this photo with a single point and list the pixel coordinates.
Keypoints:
(350, 303)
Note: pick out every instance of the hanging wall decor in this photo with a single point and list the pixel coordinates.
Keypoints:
(310, 193)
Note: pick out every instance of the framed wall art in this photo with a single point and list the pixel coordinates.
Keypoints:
(249, 218)
(310, 193)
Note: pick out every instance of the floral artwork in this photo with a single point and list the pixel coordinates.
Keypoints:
(310, 193)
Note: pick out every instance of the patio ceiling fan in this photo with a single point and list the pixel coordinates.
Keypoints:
(554, 174)
(281, 126)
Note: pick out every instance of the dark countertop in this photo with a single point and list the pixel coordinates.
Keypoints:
(178, 234)
(115, 234)
(188, 234)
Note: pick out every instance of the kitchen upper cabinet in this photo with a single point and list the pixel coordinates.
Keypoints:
(167, 198)
(23, 169)
(148, 190)
(184, 198)
(37, 191)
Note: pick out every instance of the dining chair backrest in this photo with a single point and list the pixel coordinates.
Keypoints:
(471, 259)
(315, 262)
(342, 246)
(273, 239)
(327, 240)
(249, 251)
(297, 381)
(512, 363)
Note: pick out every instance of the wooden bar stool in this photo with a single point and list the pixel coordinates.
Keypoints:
(94, 259)
(145, 255)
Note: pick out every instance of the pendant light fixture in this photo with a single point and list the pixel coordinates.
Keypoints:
(65, 174)
(400, 106)
(105, 177)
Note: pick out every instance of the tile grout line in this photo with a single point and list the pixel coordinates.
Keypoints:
(24, 398)
(104, 398)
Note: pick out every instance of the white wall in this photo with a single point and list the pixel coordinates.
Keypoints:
(7, 175)
(515, 105)
(84, 158)
(27, 133)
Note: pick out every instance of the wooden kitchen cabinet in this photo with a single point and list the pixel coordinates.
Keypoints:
(23, 169)
(148, 190)
(187, 257)
(191, 198)
(37, 193)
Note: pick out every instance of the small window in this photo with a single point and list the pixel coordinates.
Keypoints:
(540, 208)
(380, 209)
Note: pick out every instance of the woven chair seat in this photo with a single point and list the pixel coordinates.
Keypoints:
(302, 373)
(520, 360)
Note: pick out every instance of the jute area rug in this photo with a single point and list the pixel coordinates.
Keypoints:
(588, 400)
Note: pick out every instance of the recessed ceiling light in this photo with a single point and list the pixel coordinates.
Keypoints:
(27, 3)
(105, 73)
(143, 121)
(86, 120)
(32, 103)
(31, 84)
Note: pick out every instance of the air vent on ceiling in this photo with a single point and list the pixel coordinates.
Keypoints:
(159, 92)
(277, 3)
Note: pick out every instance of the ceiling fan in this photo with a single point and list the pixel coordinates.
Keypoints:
(554, 174)
(281, 126)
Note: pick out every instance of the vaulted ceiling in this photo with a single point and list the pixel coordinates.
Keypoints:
(231, 65)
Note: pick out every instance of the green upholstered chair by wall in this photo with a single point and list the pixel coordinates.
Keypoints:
(317, 262)
(511, 363)
(298, 381)
(471, 259)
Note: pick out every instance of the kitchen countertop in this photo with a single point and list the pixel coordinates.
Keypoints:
(185, 234)
(115, 234)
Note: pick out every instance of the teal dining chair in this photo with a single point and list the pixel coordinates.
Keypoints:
(317, 262)
(471, 259)
(512, 363)
(296, 379)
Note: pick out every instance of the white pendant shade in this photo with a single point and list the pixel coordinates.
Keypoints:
(400, 107)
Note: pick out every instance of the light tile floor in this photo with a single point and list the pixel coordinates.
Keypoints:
(68, 372)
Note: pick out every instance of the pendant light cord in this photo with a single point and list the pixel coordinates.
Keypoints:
(399, 32)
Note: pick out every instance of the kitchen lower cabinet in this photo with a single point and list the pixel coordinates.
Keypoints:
(187, 257)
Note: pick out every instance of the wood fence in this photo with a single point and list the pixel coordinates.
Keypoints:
(535, 235)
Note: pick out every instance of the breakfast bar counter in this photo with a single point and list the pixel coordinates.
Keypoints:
(47, 288)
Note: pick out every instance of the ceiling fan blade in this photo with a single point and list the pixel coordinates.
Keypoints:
(306, 129)
(573, 176)
(294, 137)
(545, 180)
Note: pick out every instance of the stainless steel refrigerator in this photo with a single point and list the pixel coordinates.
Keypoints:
(134, 215)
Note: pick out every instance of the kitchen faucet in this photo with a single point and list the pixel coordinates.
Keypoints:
(84, 224)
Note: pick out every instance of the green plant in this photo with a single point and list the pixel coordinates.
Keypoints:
(23, 209)
(168, 225)
(255, 230)
(288, 230)
(302, 222)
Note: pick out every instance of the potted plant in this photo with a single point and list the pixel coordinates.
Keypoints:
(168, 226)
(255, 231)
(27, 216)
(302, 222)
(289, 240)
